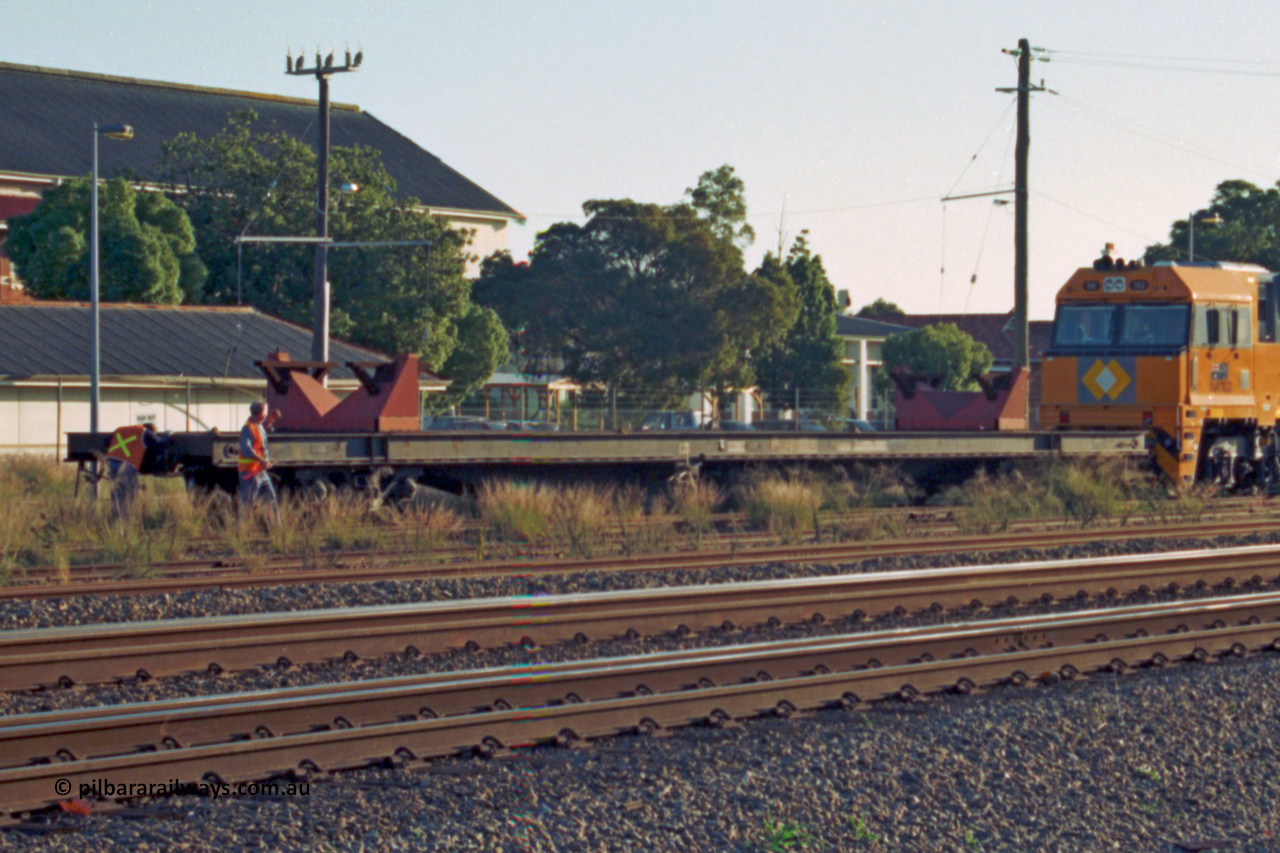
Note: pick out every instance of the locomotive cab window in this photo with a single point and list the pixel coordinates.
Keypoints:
(1085, 325)
(1266, 312)
(1154, 326)
(1242, 334)
(1208, 326)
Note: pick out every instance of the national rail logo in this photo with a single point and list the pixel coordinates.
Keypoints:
(1107, 379)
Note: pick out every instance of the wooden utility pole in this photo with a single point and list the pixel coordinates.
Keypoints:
(1022, 147)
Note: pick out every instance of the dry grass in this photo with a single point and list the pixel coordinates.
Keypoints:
(517, 513)
(581, 517)
(695, 503)
(45, 524)
(1082, 490)
(786, 507)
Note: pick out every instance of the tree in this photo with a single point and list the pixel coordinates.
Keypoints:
(719, 198)
(808, 363)
(642, 295)
(412, 299)
(881, 308)
(1248, 230)
(147, 246)
(942, 350)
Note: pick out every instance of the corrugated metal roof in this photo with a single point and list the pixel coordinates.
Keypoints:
(49, 116)
(52, 339)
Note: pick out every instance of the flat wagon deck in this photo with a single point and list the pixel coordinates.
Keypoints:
(453, 460)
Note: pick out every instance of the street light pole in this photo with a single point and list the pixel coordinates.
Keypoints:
(115, 131)
(322, 71)
(1208, 219)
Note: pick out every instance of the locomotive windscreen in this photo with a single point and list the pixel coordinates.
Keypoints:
(1127, 326)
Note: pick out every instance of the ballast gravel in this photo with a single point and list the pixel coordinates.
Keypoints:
(93, 610)
(1170, 760)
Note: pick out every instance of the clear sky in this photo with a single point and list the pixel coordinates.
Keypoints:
(857, 116)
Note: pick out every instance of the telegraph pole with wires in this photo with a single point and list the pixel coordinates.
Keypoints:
(1022, 147)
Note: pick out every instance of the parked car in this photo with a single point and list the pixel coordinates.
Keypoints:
(856, 426)
(790, 426)
(733, 426)
(671, 420)
(533, 426)
(461, 422)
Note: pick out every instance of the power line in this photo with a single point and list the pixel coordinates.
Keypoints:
(1088, 215)
(771, 214)
(1152, 135)
(1157, 57)
(1158, 66)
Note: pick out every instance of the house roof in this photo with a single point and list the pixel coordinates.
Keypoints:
(201, 342)
(861, 327)
(49, 116)
(994, 330)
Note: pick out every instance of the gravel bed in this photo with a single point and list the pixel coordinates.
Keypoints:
(1133, 763)
(92, 609)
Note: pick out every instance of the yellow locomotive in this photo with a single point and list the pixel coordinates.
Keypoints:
(1187, 352)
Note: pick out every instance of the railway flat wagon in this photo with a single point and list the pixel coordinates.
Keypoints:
(457, 460)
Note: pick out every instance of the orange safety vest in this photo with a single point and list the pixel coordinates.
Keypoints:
(252, 467)
(126, 444)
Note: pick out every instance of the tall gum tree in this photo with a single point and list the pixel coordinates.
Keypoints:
(642, 296)
(807, 364)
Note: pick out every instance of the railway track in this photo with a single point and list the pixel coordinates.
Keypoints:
(228, 739)
(202, 575)
(98, 653)
(1234, 516)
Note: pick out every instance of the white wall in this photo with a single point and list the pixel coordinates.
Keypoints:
(30, 415)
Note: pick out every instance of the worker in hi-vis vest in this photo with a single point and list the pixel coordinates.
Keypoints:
(255, 482)
(126, 450)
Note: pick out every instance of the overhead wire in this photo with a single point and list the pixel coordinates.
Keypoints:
(942, 250)
(1078, 107)
(991, 212)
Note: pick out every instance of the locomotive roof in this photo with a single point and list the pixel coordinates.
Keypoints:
(1200, 282)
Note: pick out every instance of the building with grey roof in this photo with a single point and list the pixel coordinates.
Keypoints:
(183, 368)
(863, 340)
(49, 114)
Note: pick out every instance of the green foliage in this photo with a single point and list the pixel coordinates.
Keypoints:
(718, 197)
(147, 246)
(403, 299)
(641, 295)
(881, 308)
(1249, 231)
(861, 831)
(810, 357)
(939, 351)
(782, 835)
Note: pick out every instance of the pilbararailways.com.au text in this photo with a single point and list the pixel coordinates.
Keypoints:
(106, 789)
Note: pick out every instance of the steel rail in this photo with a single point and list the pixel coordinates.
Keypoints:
(96, 653)
(1017, 650)
(195, 721)
(239, 578)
